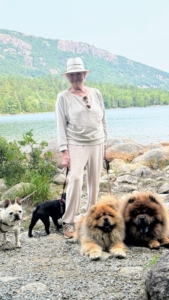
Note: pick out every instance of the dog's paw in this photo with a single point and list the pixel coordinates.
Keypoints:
(95, 255)
(154, 244)
(117, 252)
(18, 245)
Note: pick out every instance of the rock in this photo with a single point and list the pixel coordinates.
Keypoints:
(59, 178)
(130, 270)
(116, 141)
(127, 168)
(153, 158)
(33, 287)
(127, 179)
(125, 188)
(157, 280)
(19, 188)
(114, 164)
(125, 150)
(7, 246)
(142, 171)
(164, 189)
(8, 278)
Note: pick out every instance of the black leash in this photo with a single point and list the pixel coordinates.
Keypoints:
(108, 177)
(63, 195)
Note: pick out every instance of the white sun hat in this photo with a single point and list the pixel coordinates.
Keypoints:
(75, 65)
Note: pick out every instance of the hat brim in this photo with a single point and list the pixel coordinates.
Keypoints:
(75, 71)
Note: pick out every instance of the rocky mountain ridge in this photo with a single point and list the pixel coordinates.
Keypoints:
(30, 56)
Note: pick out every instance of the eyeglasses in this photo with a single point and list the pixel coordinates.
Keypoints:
(85, 99)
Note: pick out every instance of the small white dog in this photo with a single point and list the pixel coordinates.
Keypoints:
(10, 218)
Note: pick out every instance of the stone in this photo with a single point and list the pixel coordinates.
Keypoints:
(126, 151)
(157, 279)
(130, 270)
(153, 158)
(142, 171)
(164, 188)
(127, 179)
(19, 188)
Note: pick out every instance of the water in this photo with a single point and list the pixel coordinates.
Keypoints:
(142, 125)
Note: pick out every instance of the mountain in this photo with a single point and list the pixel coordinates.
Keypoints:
(30, 56)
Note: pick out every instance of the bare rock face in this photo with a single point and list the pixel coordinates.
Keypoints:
(153, 157)
(125, 150)
(157, 281)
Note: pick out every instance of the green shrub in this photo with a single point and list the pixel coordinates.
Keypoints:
(35, 168)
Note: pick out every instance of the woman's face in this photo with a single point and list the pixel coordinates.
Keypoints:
(76, 78)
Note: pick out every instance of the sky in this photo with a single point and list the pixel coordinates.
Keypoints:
(135, 29)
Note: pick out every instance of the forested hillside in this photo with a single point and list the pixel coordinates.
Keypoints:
(29, 56)
(22, 95)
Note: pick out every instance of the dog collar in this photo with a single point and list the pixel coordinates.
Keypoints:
(7, 224)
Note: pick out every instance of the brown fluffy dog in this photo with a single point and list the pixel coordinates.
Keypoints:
(146, 220)
(102, 229)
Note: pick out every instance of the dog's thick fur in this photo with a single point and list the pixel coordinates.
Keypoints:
(102, 229)
(46, 210)
(146, 220)
(10, 218)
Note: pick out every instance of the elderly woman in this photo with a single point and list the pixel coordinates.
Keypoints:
(82, 136)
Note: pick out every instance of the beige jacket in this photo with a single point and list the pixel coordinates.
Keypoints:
(77, 124)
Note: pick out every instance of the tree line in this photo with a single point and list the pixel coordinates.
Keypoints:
(32, 95)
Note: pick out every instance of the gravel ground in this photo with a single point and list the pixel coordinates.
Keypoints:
(48, 267)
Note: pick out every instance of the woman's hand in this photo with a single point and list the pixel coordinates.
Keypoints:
(66, 159)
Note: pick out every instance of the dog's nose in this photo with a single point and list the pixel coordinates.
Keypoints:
(106, 220)
(16, 217)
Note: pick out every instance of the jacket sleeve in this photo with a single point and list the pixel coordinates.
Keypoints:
(104, 121)
(61, 123)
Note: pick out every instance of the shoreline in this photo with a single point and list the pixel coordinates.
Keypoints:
(112, 108)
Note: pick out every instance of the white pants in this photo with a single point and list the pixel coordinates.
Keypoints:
(81, 156)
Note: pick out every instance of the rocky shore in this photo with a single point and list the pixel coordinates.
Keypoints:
(48, 267)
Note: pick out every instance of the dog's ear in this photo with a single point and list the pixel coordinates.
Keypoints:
(92, 209)
(7, 202)
(18, 200)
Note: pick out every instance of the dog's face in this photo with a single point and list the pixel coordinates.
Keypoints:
(12, 213)
(143, 211)
(102, 217)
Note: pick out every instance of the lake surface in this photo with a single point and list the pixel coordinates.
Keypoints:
(142, 125)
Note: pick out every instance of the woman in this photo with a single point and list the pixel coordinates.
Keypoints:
(82, 136)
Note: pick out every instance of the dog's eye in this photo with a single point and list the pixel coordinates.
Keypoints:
(131, 200)
(11, 213)
(152, 199)
(20, 211)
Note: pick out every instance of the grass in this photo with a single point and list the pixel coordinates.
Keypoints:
(152, 261)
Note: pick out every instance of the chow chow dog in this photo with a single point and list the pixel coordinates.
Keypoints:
(54, 209)
(146, 220)
(102, 228)
(10, 219)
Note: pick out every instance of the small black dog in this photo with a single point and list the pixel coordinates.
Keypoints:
(54, 209)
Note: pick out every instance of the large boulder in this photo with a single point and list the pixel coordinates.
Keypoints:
(125, 150)
(155, 158)
(18, 189)
(157, 280)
